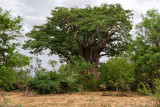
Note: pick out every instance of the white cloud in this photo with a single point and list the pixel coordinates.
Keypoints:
(35, 12)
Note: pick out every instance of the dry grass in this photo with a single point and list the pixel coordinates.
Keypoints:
(87, 99)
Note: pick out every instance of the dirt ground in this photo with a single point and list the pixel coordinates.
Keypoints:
(85, 99)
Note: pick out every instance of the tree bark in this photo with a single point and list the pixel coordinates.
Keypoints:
(95, 58)
(91, 56)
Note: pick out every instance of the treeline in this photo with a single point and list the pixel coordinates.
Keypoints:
(79, 37)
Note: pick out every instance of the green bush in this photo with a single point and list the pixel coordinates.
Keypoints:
(69, 78)
(146, 51)
(45, 83)
(117, 73)
(153, 91)
(53, 82)
(147, 67)
(7, 77)
(80, 67)
(89, 82)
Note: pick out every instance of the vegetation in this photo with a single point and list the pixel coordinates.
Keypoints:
(147, 50)
(118, 73)
(85, 32)
(80, 36)
(10, 60)
(147, 54)
(69, 78)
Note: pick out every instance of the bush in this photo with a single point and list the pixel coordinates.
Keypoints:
(69, 78)
(7, 77)
(80, 68)
(147, 67)
(10, 59)
(88, 82)
(154, 91)
(53, 82)
(118, 73)
(44, 83)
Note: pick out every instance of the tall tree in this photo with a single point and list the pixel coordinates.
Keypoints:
(10, 59)
(147, 47)
(90, 32)
(149, 29)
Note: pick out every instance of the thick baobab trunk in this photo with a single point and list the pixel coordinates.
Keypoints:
(86, 53)
(93, 57)
(90, 56)
(96, 58)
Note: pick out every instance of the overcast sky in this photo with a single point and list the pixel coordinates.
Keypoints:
(34, 12)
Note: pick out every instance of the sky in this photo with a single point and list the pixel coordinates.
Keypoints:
(34, 12)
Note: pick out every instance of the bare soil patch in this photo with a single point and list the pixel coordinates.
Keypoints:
(86, 99)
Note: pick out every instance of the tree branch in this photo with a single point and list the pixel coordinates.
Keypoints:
(106, 54)
(110, 48)
(93, 39)
(76, 32)
(115, 39)
(62, 53)
(107, 37)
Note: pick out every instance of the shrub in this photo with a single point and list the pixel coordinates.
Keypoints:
(117, 72)
(69, 78)
(53, 82)
(154, 91)
(7, 77)
(45, 83)
(80, 68)
(147, 67)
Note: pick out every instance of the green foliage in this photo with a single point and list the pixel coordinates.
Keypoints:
(117, 72)
(149, 28)
(153, 91)
(147, 66)
(156, 94)
(44, 83)
(80, 65)
(53, 64)
(22, 75)
(92, 84)
(7, 76)
(157, 88)
(69, 78)
(10, 59)
(144, 89)
(147, 48)
(53, 82)
(81, 68)
(84, 32)
(79, 36)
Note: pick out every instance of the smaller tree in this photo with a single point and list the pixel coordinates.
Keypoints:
(10, 60)
(147, 48)
(153, 91)
(81, 68)
(117, 72)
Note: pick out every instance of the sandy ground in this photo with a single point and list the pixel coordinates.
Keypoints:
(87, 99)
